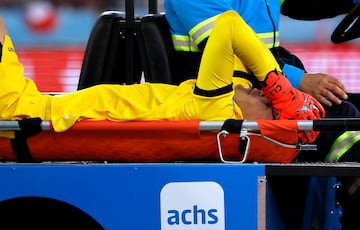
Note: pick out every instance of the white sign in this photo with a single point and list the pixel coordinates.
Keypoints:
(192, 205)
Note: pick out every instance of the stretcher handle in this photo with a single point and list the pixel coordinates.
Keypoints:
(14, 126)
(326, 124)
(341, 124)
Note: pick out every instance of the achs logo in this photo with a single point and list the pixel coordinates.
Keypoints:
(192, 205)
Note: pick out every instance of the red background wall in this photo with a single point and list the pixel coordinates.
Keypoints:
(58, 69)
(53, 69)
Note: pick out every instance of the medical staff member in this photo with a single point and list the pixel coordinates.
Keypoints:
(191, 23)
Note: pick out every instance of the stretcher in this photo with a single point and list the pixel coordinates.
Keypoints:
(230, 141)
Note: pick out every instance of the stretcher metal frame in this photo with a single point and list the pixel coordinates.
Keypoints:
(346, 124)
(244, 129)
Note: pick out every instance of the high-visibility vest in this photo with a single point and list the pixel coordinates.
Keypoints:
(341, 145)
(200, 17)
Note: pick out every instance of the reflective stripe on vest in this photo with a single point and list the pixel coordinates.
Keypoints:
(199, 33)
(203, 29)
(196, 35)
(184, 43)
(342, 144)
(269, 40)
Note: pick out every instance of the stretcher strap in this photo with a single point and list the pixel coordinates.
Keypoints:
(28, 127)
(232, 126)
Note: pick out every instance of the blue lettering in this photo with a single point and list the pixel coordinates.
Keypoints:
(183, 216)
(201, 212)
(213, 217)
(174, 218)
(200, 216)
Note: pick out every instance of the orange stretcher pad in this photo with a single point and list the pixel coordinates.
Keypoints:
(152, 141)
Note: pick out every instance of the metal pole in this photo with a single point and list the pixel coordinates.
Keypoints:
(14, 125)
(217, 125)
(130, 11)
(153, 6)
(130, 21)
(346, 124)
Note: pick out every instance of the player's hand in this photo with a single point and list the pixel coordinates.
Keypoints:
(325, 88)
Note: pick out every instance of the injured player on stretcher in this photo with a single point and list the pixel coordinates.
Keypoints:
(214, 95)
